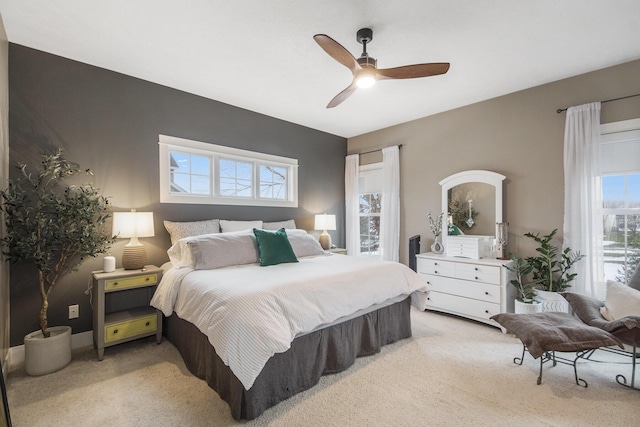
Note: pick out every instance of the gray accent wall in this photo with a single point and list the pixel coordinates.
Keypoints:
(518, 135)
(110, 122)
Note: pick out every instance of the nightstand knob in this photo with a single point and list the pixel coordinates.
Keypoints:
(115, 331)
(147, 324)
(147, 279)
(115, 283)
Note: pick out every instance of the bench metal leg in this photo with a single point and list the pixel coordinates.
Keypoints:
(622, 380)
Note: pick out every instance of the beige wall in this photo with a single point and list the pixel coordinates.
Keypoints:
(4, 174)
(519, 135)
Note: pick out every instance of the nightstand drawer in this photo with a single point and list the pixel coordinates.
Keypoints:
(131, 282)
(130, 328)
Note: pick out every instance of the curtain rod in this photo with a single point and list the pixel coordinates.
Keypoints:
(379, 149)
(560, 110)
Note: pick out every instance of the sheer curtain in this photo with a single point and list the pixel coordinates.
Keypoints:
(390, 209)
(352, 203)
(583, 229)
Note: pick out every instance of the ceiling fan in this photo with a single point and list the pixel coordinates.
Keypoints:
(365, 72)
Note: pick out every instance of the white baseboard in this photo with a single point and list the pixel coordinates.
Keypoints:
(79, 340)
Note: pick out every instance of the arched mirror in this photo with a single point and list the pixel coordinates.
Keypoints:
(473, 202)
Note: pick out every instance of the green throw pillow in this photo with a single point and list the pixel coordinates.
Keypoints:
(274, 247)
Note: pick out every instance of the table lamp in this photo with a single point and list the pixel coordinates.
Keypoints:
(133, 225)
(325, 222)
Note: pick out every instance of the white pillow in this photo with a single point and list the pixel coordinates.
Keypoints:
(289, 224)
(304, 244)
(180, 230)
(228, 226)
(621, 301)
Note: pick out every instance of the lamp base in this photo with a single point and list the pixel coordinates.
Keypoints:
(325, 240)
(134, 257)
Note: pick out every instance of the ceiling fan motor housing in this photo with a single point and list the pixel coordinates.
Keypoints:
(367, 62)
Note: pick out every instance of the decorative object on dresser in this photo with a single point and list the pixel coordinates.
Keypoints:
(325, 222)
(52, 226)
(502, 239)
(474, 289)
(121, 310)
(525, 297)
(551, 271)
(436, 229)
(474, 247)
(133, 225)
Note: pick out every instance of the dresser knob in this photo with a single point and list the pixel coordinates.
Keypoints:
(435, 263)
(476, 268)
(476, 277)
(428, 299)
(486, 311)
(486, 293)
(435, 272)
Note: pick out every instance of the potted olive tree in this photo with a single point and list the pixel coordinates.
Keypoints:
(552, 271)
(52, 226)
(525, 299)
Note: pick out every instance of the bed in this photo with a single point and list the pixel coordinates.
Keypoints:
(258, 334)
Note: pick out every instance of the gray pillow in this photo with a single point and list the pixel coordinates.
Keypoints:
(634, 282)
(288, 224)
(223, 250)
(180, 230)
(305, 245)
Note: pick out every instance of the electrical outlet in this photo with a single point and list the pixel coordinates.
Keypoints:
(74, 311)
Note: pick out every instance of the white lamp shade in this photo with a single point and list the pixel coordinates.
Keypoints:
(325, 222)
(133, 224)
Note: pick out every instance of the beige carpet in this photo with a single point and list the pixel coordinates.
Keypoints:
(451, 372)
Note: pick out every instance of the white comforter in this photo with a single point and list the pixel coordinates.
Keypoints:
(249, 312)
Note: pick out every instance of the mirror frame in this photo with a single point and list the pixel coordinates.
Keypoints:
(465, 177)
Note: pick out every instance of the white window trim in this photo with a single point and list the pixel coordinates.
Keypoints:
(364, 171)
(169, 143)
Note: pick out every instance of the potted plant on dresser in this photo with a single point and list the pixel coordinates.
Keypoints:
(525, 299)
(53, 227)
(551, 271)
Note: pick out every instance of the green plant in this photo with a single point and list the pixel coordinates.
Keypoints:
(521, 269)
(551, 267)
(51, 225)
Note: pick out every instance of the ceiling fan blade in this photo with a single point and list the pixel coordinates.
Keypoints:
(413, 71)
(339, 98)
(337, 52)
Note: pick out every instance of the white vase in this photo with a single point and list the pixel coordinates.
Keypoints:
(527, 307)
(437, 247)
(46, 355)
(552, 301)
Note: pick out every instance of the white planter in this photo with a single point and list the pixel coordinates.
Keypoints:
(527, 308)
(552, 301)
(46, 355)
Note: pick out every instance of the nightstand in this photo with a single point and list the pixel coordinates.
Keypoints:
(121, 310)
(341, 251)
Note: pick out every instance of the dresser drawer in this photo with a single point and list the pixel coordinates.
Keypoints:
(441, 268)
(130, 328)
(463, 288)
(463, 306)
(130, 282)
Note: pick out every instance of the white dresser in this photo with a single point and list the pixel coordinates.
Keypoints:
(472, 288)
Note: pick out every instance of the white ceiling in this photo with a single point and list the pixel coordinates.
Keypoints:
(260, 55)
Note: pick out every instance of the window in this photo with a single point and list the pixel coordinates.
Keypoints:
(370, 189)
(197, 172)
(620, 167)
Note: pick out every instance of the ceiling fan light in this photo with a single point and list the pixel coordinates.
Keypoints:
(365, 79)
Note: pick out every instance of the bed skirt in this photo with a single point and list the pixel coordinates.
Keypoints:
(325, 351)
